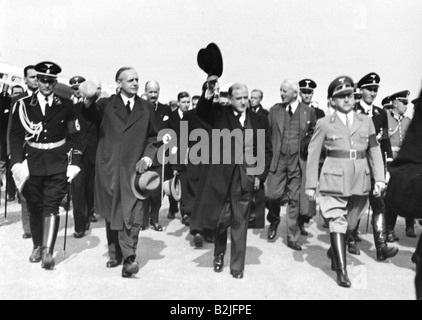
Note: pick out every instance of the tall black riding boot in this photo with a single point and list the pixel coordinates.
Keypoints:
(417, 258)
(36, 226)
(338, 247)
(51, 228)
(380, 238)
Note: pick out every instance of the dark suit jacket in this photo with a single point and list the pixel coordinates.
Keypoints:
(123, 141)
(216, 181)
(262, 111)
(162, 116)
(276, 117)
(90, 125)
(380, 119)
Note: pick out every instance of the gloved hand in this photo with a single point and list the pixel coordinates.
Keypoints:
(20, 173)
(72, 172)
(143, 165)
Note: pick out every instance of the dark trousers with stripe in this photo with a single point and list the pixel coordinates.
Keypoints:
(235, 214)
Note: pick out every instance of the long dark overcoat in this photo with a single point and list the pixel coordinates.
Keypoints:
(123, 141)
(216, 179)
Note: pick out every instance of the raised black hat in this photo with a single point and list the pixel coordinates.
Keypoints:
(210, 61)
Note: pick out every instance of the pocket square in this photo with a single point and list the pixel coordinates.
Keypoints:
(166, 118)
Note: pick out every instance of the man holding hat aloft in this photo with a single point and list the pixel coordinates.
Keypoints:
(49, 126)
(352, 152)
(127, 144)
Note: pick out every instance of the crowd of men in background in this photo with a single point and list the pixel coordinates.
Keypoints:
(290, 126)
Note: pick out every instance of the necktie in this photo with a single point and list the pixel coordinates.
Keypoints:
(47, 105)
(128, 109)
(348, 122)
(290, 111)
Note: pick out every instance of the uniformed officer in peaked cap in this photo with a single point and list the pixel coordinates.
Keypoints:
(352, 152)
(369, 86)
(75, 82)
(307, 89)
(45, 149)
(387, 104)
(398, 124)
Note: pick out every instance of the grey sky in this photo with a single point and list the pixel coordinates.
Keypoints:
(263, 42)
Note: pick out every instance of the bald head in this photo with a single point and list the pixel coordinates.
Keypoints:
(152, 91)
(289, 91)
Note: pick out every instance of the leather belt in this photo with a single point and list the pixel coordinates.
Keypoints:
(47, 146)
(351, 155)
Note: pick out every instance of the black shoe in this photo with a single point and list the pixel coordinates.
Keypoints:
(303, 231)
(272, 231)
(171, 215)
(113, 263)
(11, 198)
(410, 232)
(237, 275)
(219, 263)
(143, 228)
(36, 255)
(384, 253)
(294, 245)
(391, 236)
(26, 236)
(156, 227)
(48, 262)
(351, 244)
(130, 268)
(198, 240)
(209, 238)
(186, 221)
(93, 219)
(357, 237)
(79, 235)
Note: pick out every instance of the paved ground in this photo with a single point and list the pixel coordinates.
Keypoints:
(172, 269)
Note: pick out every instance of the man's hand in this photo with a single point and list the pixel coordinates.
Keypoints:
(257, 183)
(90, 92)
(311, 194)
(143, 165)
(72, 172)
(379, 189)
(213, 89)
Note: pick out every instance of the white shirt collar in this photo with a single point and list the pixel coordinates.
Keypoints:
(294, 106)
(343, 116)
(30, 92)
(181, 114)
(126, 99)
(366, 107)
(41, 99)
(242, 118)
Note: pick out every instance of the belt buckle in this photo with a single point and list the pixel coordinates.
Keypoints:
(48, 146)
(353, 155)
